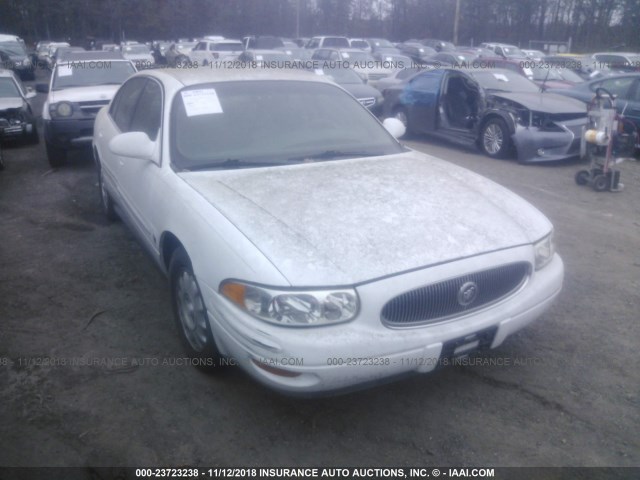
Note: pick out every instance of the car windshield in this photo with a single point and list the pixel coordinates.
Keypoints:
(555, 73)
(255, 124)
(504, 81)
(343, 76)
(136, 49)
(227, 47)
(357, 56)
(513, 52)
(338, 42)
(13, 48)
(382, 43)
(89, 73)
(8, 88)
(359, 44)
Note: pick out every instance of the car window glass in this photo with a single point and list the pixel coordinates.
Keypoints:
(148, 113)
(618, 86)
(8, 88)
(125, 102)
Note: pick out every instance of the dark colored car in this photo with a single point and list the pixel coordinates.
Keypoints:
(16, 57)
(416, 51)
(497, 110)
(353, 83)
(16, 115)
(626, 87)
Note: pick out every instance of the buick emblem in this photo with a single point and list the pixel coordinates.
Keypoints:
(467, 294)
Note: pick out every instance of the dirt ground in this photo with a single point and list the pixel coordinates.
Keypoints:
(80, 302)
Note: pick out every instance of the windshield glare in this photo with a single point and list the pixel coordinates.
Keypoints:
(252, 124)
(88, 73)
(137, 49)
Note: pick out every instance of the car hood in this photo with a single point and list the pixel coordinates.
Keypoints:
(7, 103)
(83, 94)
(544, 102)
(350, 221)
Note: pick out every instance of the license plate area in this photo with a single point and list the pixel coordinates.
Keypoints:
(470, 344)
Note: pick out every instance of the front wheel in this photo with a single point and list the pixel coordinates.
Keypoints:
(495, 139)
(600, 183)
(582, 177)
(191, 314)
(105, 198)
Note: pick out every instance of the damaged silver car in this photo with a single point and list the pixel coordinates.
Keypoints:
(500, 111)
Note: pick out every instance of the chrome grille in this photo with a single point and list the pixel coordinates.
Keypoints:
(367, 102)
(93, 107)
(439, 301)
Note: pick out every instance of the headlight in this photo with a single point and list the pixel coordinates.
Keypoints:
(302, 308)
(62, 109)
(544, 250)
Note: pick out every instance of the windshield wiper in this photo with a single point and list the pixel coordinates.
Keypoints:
(332, 155)
(231, 163)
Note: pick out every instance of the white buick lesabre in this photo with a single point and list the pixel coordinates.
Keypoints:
(303, 242)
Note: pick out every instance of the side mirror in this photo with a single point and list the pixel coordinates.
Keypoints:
(132, 145)
(42, 87)
(394, 126)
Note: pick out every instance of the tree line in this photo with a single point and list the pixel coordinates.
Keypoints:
(590, 24)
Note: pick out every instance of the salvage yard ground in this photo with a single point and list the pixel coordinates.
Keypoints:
(80, 293)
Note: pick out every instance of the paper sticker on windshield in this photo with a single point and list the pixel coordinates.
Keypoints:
(319, 71)
(528, 72)
(501, 77)
(345, 55)
(201, 102)
(259, 58)
(65, 71)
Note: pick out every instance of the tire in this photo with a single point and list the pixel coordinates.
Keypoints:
(190, 313)
(56, 156)
(582, 177)
(600, 183)
(105, 199)
(495, 140)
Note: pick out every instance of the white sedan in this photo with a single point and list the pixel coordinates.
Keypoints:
(303, 242)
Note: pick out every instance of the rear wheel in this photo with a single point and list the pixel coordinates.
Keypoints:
(495, 140)
(56, 156)
(191, 314)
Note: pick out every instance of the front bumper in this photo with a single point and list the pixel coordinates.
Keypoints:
(535, 145)
(365, 351)
(17, 131)
(69, 133)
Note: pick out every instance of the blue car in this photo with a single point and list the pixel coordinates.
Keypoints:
(498, 110)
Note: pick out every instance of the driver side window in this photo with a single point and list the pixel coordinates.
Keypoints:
(125, 102)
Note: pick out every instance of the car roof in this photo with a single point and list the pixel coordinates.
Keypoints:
(189, 77)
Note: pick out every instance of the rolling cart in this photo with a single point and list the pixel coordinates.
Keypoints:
(605, 143)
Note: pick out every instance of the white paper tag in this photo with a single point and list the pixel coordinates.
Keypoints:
(65, 70)
(259, 58)
(201, 102)
(319, 71)
(345, 55)
(501, 76)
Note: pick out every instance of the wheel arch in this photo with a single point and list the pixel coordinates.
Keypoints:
(169, 243)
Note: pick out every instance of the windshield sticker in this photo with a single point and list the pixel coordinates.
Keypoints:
(259, 58)
(345, 55)
(319, 71)
(528, 72)
(201, 102)
(501, 77)
(65, 71)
